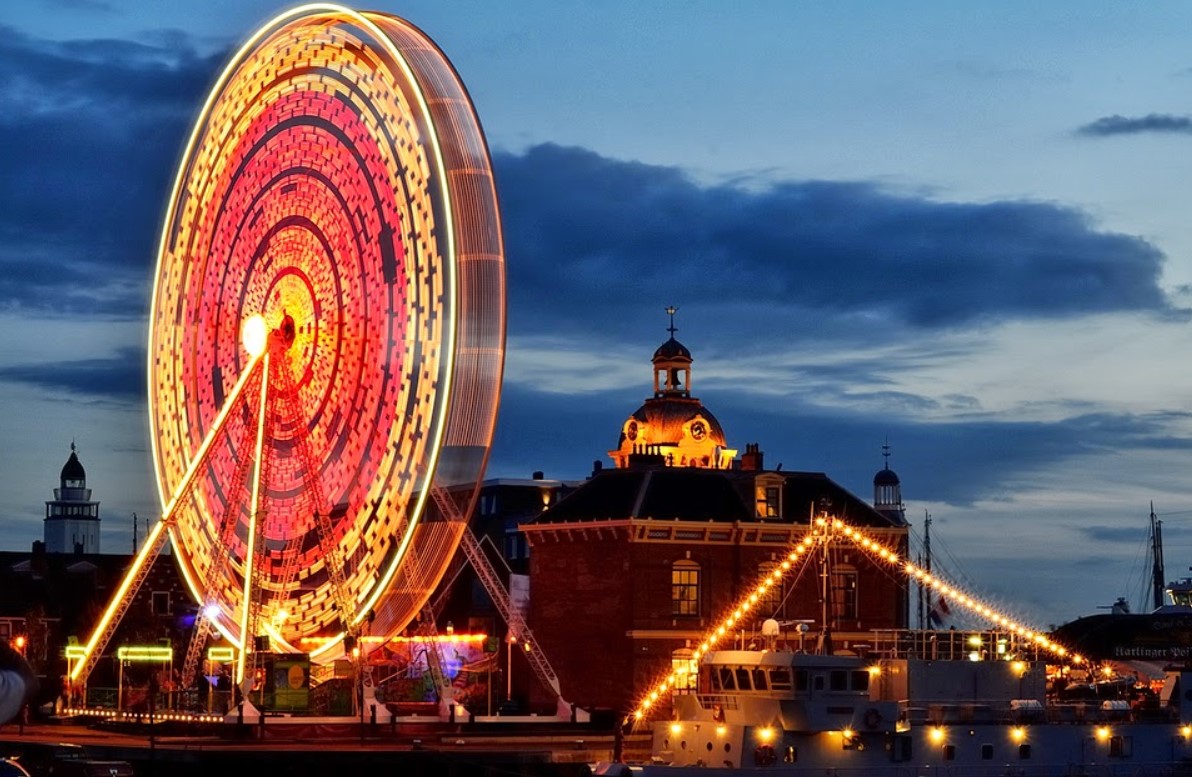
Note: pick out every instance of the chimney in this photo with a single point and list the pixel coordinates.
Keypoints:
(751, 460)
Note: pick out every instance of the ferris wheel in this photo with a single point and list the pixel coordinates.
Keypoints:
(326, 337)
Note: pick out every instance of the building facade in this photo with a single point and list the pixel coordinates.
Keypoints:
(630, 571)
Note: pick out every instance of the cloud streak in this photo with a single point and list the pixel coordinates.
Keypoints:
(1152, 123)
(580, 225)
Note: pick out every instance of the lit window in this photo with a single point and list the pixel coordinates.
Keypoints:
(685, 588)
(844, 594)
(685, 669)
(771, 600)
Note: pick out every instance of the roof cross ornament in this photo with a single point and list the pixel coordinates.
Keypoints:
(671, 310)
(886, 452)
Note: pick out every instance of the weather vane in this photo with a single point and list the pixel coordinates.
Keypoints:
(671, 311)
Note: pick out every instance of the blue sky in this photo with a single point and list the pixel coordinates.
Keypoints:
(958, 227)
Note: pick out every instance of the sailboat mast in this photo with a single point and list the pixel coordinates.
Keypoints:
(925, 593)
(1158, 581)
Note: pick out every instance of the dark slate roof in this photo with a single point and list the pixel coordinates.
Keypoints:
(806, 491)
(696, 494)
(663, 493)
(672, 349)
(73, 468)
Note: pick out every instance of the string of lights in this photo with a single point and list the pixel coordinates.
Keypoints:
(825, 530)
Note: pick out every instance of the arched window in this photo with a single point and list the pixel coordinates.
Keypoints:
(685, 588)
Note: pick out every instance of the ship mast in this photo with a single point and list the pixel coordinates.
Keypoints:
(925, 593)
(1158, 576)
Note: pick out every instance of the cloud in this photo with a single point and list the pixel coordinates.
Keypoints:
(120, 377)
(1108, 126)
(90, 134)
(800, 254)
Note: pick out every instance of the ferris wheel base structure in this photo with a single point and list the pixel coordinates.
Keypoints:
(327, 339)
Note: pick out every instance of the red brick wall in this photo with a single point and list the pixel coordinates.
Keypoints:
(588, 591)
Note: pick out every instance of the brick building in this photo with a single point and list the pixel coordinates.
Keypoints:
(630, 570)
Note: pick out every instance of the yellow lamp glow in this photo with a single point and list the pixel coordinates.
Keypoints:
(1102, 733)
(765, 735)
(1017, 733)
(937, 735)
(255, 334)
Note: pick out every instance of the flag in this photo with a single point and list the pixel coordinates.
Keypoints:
(939, 611)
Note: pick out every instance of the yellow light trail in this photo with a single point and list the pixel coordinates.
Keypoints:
(245, 637)
(153, 539)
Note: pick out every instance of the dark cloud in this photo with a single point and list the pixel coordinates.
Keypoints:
(957, 462)
(90, 136)
(121, 377)
(1122, 125)
(582, 227)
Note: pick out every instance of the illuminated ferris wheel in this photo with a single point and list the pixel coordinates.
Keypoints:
(326, 336)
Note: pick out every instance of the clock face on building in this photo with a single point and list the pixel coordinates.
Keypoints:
(631, 430)
(699, 430)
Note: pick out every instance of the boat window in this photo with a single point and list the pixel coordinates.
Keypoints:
(987, 752)
(686, 671)
(743, 683)
(791, 755)
(800, 679)
(759, 679)
(780, 679)
(949, 752)
(838, 680)
(1024, 751)
(726, 679)
(817, 682)
(861, 681)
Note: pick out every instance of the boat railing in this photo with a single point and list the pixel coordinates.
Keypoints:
(954, 645)
(723, 700)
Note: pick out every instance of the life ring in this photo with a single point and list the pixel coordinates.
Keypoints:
(764, 755)
(873, 718)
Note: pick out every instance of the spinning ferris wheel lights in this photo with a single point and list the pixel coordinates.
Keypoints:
(327, 333)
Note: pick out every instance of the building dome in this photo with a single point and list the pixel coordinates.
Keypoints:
(886, 477)
(670, 419)
(673, 427)
(73, 468)
(672, 350)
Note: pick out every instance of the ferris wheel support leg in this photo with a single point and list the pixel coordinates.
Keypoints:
(125, 592)
(246, 645)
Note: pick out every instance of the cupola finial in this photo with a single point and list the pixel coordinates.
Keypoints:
(671, 310)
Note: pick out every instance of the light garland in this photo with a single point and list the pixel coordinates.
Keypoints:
(821, 531)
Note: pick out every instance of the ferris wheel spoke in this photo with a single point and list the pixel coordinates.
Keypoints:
(133, 578)
(254, 523)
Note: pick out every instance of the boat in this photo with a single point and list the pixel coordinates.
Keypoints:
(957, 703)
(1147, 641)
